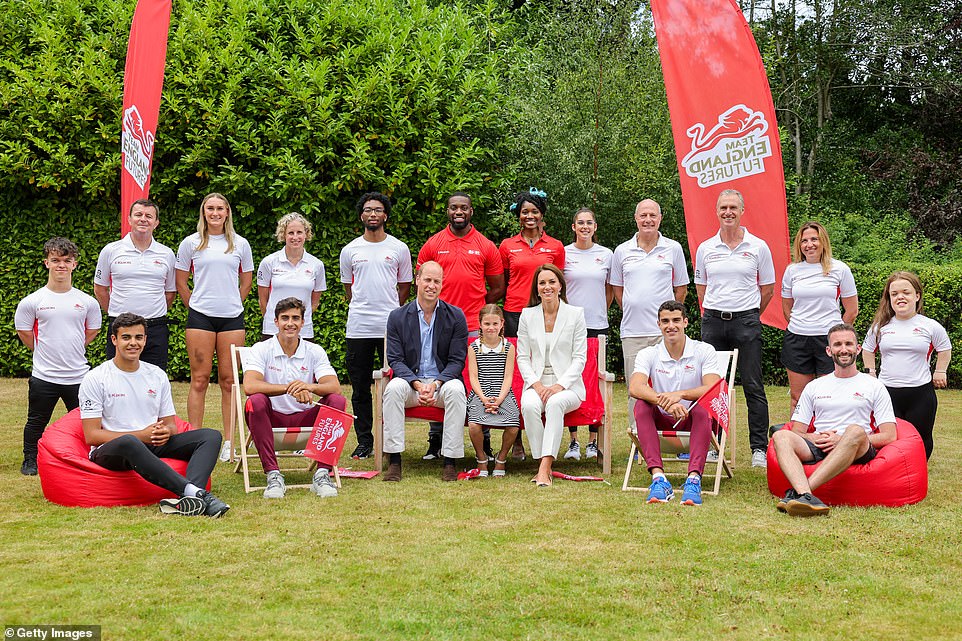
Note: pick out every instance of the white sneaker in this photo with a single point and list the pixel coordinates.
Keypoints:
(712, 457)
(759, 459)
(275, 485)
(591, 451)
(574, 451)
(224, 452)
(323, 485)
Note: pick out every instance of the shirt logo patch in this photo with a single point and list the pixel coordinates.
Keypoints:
(151, 393)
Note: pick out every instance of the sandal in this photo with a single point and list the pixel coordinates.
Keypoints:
(499, 473)
(482, 468)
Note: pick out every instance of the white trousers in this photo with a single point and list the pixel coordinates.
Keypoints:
(545, 438)
(399, 395)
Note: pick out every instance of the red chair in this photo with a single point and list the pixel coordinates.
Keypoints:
(68, 477)
(898, 475)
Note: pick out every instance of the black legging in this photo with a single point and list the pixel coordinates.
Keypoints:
(917, 405)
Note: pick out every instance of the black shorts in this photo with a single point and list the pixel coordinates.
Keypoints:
(806, 354)
(196, 320)
(862, 460)
(595, 333)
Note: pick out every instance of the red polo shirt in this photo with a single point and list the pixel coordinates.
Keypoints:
(520, 260)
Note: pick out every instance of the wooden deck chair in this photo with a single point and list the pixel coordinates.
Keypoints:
(676, 442)
(289, 442)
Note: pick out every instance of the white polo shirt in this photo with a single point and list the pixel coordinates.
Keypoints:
(732, 276)
(373, 270)
(648, 279)
(665, 374)
(309, 364)
(906, 348)
(837, 403)
(125, 401)
(816, 296)
(586, 274)
(216, 290)
(138, 280)
(59, 323)
(286, 280)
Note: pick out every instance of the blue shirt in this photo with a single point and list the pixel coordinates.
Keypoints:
(428, 369)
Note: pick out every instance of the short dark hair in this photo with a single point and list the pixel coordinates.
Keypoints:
(373, 195)
(291, 302)
(841, 327)
(145, 202)
(673, 306)
(459, 194)
(127, 319)
(61, 247)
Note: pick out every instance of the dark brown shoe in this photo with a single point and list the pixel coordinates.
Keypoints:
(449, 473)
(393, 473)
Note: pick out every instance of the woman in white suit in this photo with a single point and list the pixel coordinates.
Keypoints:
(552, 350)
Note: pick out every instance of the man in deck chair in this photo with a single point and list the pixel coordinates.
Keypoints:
(843, 405)
(667, 380)
(281, 376)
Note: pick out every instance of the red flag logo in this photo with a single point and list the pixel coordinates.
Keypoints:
(715, 401)
(138, 147)
(331, 428)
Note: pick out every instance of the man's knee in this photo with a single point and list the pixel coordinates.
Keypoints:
(855, 435)
(396, 391)
(257, 404)
(336, 401)
(127, 444)
(453, 389)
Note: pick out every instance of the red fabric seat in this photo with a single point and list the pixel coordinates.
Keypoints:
(68, 477)
(898, 475)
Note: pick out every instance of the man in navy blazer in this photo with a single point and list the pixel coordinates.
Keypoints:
(426, 348)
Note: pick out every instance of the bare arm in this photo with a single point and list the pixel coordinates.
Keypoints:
(609, 295)
(315, 300)
(787, 305)
(154, 434)
(347, 291)
(940, 377)
(868, 359)
(886, 434)
(475, 380)
(169, 297)
(403, 289)
(681, 293)
(263, 293)
(89, 335)
(767, 291)
(618, 291)
(496, 288)
(700, 290)
(182, 288)
(102, 294)
(849, 309)
(26, 337)
(246, 283)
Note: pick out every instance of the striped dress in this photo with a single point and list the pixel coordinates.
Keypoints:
(491, 365)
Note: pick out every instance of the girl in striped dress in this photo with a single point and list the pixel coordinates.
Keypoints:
(492, 402)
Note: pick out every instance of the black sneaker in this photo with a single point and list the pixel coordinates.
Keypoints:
(782, 505)
(434, 450)
(29, 467)
(362, 452)
(213, 506)
(486, 446)
(807, 505)
(185, 506)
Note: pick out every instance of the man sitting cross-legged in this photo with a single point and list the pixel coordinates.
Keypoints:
(668, 378)
(128, 420)
(280, 376)
(844, 406)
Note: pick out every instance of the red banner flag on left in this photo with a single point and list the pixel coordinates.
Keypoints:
(331, 428)
(715, 400)
(143, 81)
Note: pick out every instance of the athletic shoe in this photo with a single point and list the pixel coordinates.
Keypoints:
(275, 485)
(790, 495)
(213, 506)
(574, 451)
(759, 459)
(224, 452)
(322, 485)
(660, 490)
(807, 505)
(712, 456)
(683, 456)
(29, 467)
(591, 451)
(486, 445)
(434, 450)
(362, 452)
(692, 491)
(185, 506)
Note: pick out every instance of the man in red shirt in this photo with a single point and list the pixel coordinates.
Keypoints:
(473, 274)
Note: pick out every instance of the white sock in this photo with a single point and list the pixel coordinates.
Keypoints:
(191, 490)
(657, 475)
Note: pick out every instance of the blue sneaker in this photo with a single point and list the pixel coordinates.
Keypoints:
(660, 490)
(692, 491)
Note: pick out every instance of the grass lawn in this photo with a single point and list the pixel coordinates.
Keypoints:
(486, 559)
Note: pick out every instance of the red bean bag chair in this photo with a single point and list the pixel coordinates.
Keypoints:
(69, 478)
(898, 475)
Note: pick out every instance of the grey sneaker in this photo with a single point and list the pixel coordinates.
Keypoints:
(591, 451)
(712, 456)
(574, 451)
(758, 458)
(224, 452)
(275, 485)
(790, 495)
(323, 485)
(807, 505)
(185, 506)
(213, 506)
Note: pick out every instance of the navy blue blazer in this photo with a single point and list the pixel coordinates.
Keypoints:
(450, 345)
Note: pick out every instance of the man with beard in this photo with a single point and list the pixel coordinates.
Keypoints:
(376, 274)
(473, 276)
(843, 407)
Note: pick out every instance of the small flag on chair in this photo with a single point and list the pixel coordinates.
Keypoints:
(331, 428)
(715, 400)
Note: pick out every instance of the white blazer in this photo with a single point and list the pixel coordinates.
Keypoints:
(567, 347)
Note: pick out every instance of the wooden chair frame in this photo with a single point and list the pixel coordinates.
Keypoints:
(725, 445)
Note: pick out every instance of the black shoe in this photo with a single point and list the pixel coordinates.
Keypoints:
(807, 505)
(434, 450)
(29, 467)
(782, 505)
(185, 506)
(213, 506)
(487, 447)
(362, 452)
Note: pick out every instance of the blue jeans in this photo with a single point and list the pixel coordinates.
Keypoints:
(745, 334)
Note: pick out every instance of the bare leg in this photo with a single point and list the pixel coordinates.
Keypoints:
(544, 471)
(792, 452)
(854, 444)
(225, 373)
(200, 353)
(477, 440)
(796, 383)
